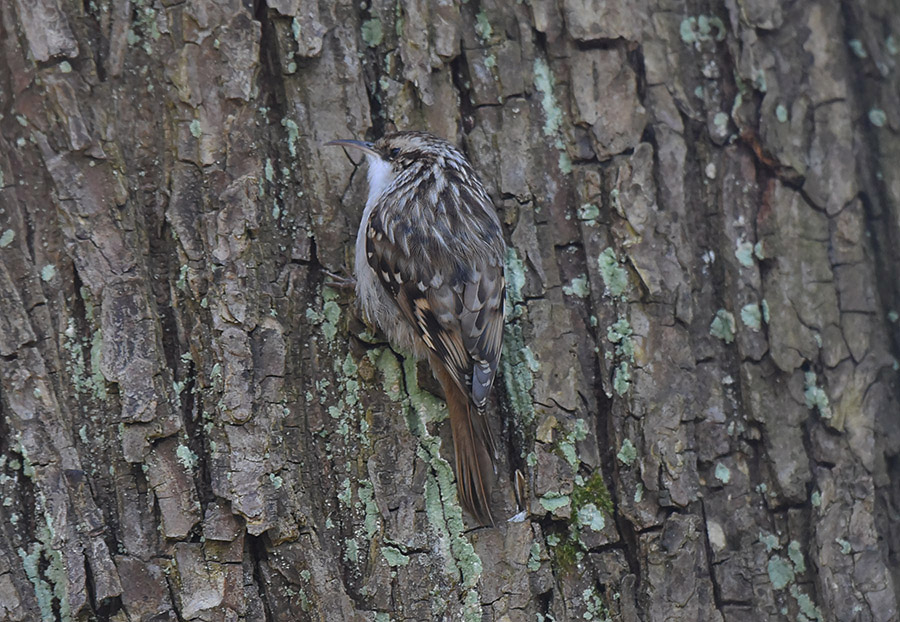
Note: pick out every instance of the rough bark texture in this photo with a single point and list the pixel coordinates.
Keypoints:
(699, 378)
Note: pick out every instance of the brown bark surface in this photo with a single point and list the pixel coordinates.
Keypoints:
(699, 378)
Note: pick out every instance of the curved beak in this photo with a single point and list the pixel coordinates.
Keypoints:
(362, 145)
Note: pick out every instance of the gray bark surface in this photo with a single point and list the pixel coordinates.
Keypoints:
(699, 378)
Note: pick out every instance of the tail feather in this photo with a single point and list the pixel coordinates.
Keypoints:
(474, 447)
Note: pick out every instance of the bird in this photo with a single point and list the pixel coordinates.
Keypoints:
(429, 266)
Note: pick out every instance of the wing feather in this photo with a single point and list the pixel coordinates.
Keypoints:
(458, 310)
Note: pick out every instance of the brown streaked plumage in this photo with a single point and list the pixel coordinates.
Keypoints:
(429, 270)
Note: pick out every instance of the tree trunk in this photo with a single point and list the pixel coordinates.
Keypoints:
(698, 382)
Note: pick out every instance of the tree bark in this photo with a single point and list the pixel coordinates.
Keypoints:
(699, 378)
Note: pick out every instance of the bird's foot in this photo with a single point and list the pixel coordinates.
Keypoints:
(339, 281)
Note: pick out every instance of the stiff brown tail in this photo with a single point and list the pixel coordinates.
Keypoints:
(471, 442)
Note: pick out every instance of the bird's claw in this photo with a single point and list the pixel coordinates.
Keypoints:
(339, 281)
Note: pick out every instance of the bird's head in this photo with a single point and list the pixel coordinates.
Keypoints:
(398, 152)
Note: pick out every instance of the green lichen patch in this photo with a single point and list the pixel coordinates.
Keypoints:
(613, 274)
(578, 287)
(566, 442)
(781, 113)
(553, 114)
(620, 333)
(759, 80)
(441, 504)
(723, 326)
(815, 396)
(471, 611)
(515, 278)
(808, 609)
(567, 449)
(723, 473)
(196, 130)
(186, 457)
(687, 30)
(48, 272)
(595, 608)
(614, 200)
(588, 213)
(43, 592)
(534, 557)
(425, 407)
(590, 516)
(622, 379)
(858, 49)
(44, 568)
(553, 501)
(331, 312)
(394, 557)
(293, 131)
(543, 82)
(372, 32)
(744, 253)
(7, 238)
(98, 380)
(349, 366)
(445, 516)
(796, 557)
(770, 541)
(751, 316)
(345, 494)
(877, 117)
(434, 511)
(627, 453)
(351, 553)
(720, 121)
(518, 365)
(385, 361)
(781, 573)
(483, 26)
(694, 30)
(366, 492)
(93, 384)
(580, 429)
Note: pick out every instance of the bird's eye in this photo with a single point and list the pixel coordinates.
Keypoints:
(394, 152)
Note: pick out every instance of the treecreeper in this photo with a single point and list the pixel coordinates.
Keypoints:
(429, 274)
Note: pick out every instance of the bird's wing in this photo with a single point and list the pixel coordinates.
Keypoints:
(458, 311)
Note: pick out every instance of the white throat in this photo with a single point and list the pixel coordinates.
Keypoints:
(379, 177)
